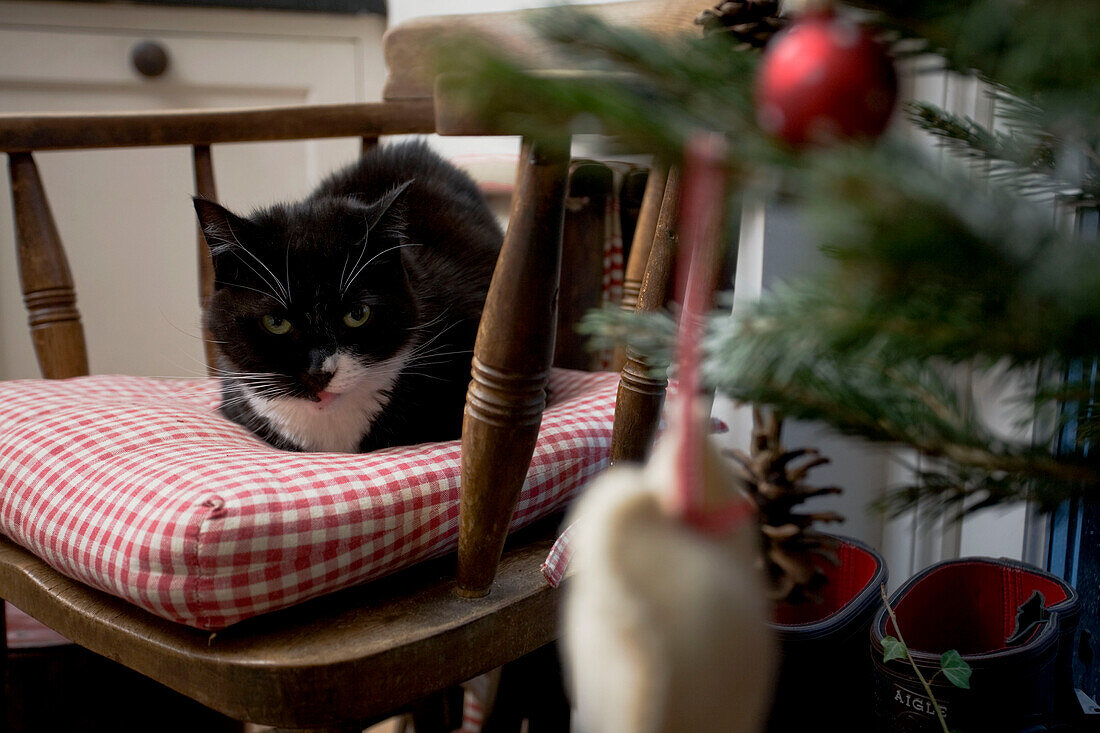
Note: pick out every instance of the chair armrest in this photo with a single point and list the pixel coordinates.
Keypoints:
(412, 63)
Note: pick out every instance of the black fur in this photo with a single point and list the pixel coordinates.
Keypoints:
(428, 296)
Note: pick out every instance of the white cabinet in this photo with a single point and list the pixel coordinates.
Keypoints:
(125, 215)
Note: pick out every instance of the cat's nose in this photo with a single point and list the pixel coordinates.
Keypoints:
(316, 379)
(318, 372)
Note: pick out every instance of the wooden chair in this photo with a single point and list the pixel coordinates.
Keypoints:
(352, 657)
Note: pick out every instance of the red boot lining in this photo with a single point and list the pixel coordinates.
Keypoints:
(856, 569)
(968, 606)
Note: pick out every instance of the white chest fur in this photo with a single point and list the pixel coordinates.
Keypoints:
(339, 424)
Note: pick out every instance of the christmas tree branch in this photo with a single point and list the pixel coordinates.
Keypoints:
(930, 269)
(1023, 159)
(941, 267)
(1035, 48)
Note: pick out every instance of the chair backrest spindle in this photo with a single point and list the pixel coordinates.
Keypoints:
(641, 394)
(641, 245)
(44, 276)
(643, 236)
(581, 282)
(204, 186)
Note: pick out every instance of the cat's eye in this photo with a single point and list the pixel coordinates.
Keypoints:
(275, 325)
(357, 316)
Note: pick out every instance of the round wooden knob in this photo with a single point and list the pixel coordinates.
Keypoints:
(149, 58)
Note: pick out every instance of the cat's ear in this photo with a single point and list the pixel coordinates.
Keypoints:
(385, 205)
(221, 228)
(223, 231)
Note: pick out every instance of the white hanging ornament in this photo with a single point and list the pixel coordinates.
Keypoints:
(665, 616)
(665, 623)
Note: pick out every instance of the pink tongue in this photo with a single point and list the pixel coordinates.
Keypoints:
(324, 397)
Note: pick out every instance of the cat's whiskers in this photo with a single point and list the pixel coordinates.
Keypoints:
(278, 291)
(419, 348)
(429, 324)
(256, 382)
(362, 251)
(239, 373)
(430, 363)
(355, 273)
(288, 273)
(440, 359)
(246, 391)
(200, 337)
(249, 392)
(255, 290)
(436, 352)
(191, 369)
(284, 291)
(426, 376)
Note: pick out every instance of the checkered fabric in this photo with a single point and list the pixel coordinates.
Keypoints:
(557, 562)
(137, 486)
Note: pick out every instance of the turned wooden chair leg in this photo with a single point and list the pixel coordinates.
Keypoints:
(508, 392)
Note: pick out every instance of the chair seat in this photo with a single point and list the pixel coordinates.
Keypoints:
(138, 487)
(355, 654)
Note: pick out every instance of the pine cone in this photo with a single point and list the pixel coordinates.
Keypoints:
(776, 484)
(750, 23)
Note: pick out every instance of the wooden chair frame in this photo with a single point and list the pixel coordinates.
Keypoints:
(366, 633)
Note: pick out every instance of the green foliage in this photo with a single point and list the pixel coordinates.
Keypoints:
(1044, 50)
(1024, 158)
(930, 270)
(955, 669)
(893, 649)
(939, 267)
(928, 273)
(649, 334)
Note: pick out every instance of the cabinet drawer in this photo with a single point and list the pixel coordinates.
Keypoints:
(44, 70)
(125, 215)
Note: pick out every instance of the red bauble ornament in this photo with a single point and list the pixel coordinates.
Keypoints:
(825, 79)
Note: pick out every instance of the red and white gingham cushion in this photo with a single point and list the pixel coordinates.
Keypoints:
(138, 487)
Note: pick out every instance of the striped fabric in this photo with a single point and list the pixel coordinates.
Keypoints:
(136, 486)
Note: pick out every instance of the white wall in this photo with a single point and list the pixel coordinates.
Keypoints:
(125, 215)
(776, 247)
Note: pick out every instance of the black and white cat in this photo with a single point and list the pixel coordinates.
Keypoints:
(346, 322)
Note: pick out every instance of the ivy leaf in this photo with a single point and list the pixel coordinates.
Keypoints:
(955, 669)
(893, 649)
